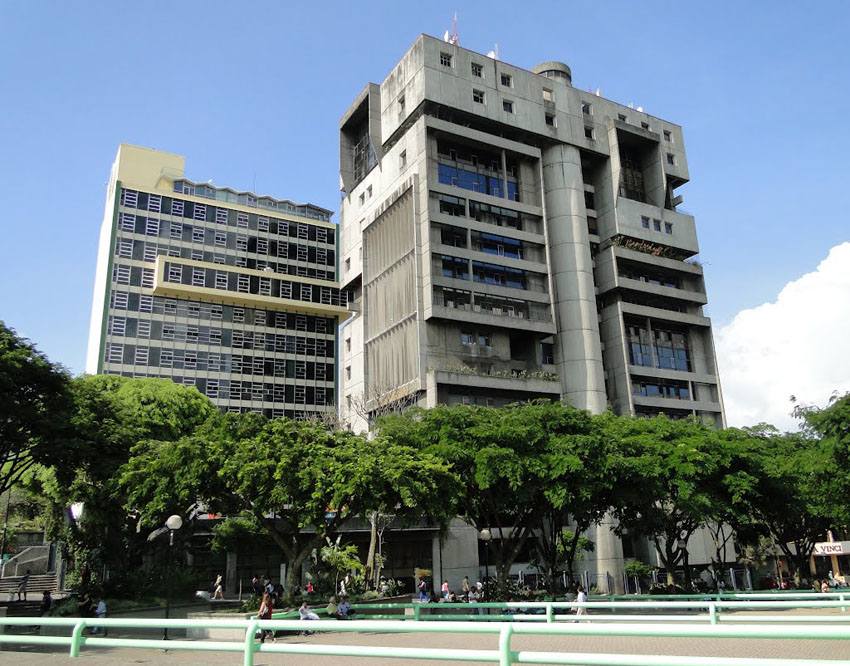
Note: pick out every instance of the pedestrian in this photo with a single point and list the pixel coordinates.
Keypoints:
(218, 588)
(465, 586)
(100, 613)
(256, 587)
(22, 586)
(345, 609)
(444, 590)
(824, 586)
(581, 598)
(832, 581)
(84, 606)
(265, 613)
(310, 588)
(423, 590)
(46, 604)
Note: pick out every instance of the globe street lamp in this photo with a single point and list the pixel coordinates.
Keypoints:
(173, 524)
(485, 536)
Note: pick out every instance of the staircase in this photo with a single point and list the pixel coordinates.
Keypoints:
(37, 584)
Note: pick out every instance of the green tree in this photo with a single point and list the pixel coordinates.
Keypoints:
(340, 559)
(296, 480)
(674, 476)
(35, 407)
(111, 415)
(519, 465)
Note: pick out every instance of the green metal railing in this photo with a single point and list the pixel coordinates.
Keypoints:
(503, 655)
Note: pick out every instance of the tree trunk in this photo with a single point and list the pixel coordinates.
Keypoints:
(371, 578)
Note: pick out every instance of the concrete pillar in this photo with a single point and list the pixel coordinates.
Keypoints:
(579, 352)
(608, 553)
(231, 580)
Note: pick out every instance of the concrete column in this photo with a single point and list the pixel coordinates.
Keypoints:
(608, 553)
(579, 357)
(231, 581)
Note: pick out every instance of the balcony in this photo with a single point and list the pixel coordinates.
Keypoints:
(537, 383)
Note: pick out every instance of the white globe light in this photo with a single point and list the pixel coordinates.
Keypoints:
(174, 522)
(484, 535)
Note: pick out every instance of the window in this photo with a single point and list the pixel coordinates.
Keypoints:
(197, 255)
(220, 238)
(547, 95)
(130, 198)
(218, 258)
(125, 248)
(242, 243)
(177, 208)
(644, 222)
(128, 222)
(586, 108)
(262, 246)
(145, 303)
(348, 344)
(588, 133)
(152, 227)
(506, 80)
(238, 314)
(621, 117)
(402, 159)
(362, 198)
(220, 280)
(117, 325)
(507, 105)
(478, 96)
(446, 59)
(221, 215)
(644, 126)
(668, 228)
(200, 212)
(242, 220)
(348, 264)
(120, 300)
(550, 119)
(114, 353)
(262, 223)
(369, 192)
(147, 277)
(198, 277)
(671, 159)
(477, 70)
(668, 136)
(197, 234)
(141, 356)
(484, 339)
(121, 274)
(175, 273)
(467, 338)
(656, 224)
(348, 372)
(243, 284)
(401, 106)
(150, 252)
(144, 329)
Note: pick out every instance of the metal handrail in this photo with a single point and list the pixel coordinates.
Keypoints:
(504, 655)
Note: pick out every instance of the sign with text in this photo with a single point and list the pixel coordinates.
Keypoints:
(832, 548)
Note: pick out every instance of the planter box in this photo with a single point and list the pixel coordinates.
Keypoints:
(198, 633)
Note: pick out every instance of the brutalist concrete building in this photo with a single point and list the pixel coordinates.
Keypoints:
(228, 291)
(506, 236)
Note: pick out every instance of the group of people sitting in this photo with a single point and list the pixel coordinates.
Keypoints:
(469, 593)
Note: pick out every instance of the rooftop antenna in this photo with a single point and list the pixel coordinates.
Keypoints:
(494, 54)
(452, 37)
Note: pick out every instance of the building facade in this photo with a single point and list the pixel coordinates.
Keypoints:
(505, 236)
(233, 293)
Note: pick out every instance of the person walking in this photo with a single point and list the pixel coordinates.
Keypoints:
(444, 590)
(218, 588)
(265, 613)
(581, 598)
(423, 590)
(22, 586)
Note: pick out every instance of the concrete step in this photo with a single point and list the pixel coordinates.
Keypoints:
(37, 584)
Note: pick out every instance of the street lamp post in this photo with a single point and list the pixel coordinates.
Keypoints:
(683, 547)
(173, 524)
(485, 536)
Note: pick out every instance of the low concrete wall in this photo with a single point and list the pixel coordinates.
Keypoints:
(217, 634)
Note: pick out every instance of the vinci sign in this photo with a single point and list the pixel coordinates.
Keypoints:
(832, 548)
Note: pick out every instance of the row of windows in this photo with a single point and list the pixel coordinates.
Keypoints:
(488, 304)
(162, 330)
(247, 199)
(186, 359)
(253, 284)
(149, 226)
(505, 79)
(649, 277)
(659, 348)
(661, 389)
(458, 268)
(502, 217)
(122, 300)
(656, 225)
(161, 205)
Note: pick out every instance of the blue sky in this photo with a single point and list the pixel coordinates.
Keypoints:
(251, 94)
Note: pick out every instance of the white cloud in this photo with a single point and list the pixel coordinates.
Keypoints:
(797, 345)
